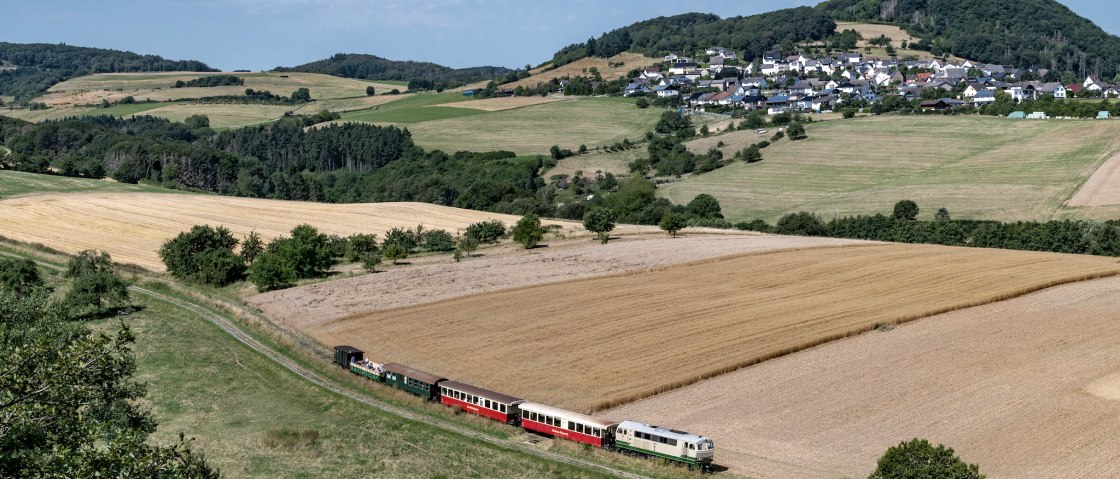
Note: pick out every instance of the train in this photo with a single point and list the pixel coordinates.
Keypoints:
(632, 438)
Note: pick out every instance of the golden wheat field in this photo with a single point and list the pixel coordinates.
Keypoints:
(132, 226)
(629, 61)
(592, 344)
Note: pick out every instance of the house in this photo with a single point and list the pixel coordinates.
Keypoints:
(801, 88)
(825, 103)
(973, 89)
(772, 56)
(1093, 84)
(777, 104)
(984, 98)
(722, 53)
(652, 73)
(1074, 88)
(940, 104)
(1054, 89)
(679, 67)
(1016, 93)
(666, 91)
(671, 57)
(634, 89)
(1111, 91)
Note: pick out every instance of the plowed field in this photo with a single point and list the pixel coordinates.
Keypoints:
(132, 226)
(1026, 388)
(595, 343)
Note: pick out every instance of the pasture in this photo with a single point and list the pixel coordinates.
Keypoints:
(533, 129)
(629, 61)
(977, 167)
(18, 183)
(132, 226)
(596, 343)
(226, 115)
(1026, 387)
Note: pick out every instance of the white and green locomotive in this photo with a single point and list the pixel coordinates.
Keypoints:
(639, 439)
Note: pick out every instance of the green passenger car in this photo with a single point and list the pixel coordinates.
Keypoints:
(420, 383)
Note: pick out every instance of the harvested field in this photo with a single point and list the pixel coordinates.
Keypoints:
(595, 343)
(1028, 387)
(222, 115)
(581, 67)
(132, 226)
(157, 86)
(977, 167)
(307, 308)
(616, 162)
(871, 31)
(1102, 188)
(507, 103)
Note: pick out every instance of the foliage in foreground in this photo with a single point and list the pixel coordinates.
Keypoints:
(918, 459)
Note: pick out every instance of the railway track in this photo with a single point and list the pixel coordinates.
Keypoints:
(229, 328)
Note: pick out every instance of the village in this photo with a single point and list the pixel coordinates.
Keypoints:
(778, 84)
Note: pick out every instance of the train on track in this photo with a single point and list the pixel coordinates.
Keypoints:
(627, 437)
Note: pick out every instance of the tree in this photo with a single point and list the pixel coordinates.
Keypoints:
(187, 254)
(465, 246)
(642, 103)
(307, 252)
(753, 153)
(673, 223)
(271, 271)
(906, 210)
(370, 261)
(401, 237)
(394, 252)
(301, 95)
(251, 247)
(796, 131)
(705, 206)
(95, 285)
(704, 130)
(918, 459)
(942, 214)
(600, 221)
(195, 122)
(19, 276)
(370, 91)
(528, 231)
(437, 240)
(360, 245)
(70, 406)
(489, 231)
(801, 223)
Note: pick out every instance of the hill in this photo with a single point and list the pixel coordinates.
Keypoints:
(1024, 33)
(38, 66)
(372, 67)
(977, 167)
(692, 33)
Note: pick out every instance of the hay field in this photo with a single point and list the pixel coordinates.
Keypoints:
(1028, 387)
(977, 167)
(157, 86)
(592, 344)
(533, 129)
(132, 226)
(581, 67)
(226, 115)
(508, 103)
(18, 183)
(872, 30)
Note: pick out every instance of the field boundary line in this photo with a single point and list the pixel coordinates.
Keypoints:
(291, 365)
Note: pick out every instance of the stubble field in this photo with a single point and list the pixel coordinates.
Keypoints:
(629, 61)
(977, 167)
(1028, 387)
(132, 226)
(596, 343)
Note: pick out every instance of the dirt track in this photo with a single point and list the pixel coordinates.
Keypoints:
(310, 306)
(1102, 188)
(1027, 388)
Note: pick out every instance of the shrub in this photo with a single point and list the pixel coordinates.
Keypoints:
(642, 103)
(489, 231)
(437, 240)
(203, 255)
(777, 136)
(528, 231)
(796, 131)
(600, 221)
(905, 210)
(802, 223)
(753, 225)
(401, 237)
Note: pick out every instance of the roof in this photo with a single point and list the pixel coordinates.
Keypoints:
(413, 373)
(349, 349)
(985, 94)
(568, 415)
(662, 431)
(481, 392)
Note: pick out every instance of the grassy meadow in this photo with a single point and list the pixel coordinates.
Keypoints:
(977, 167)
(18, 183)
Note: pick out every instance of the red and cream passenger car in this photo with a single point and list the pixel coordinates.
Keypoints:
(483, 402)
(568, 425)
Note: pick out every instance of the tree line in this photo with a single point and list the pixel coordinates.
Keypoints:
(41, 65)
(371, 67)
(210, 81)
(902, 226)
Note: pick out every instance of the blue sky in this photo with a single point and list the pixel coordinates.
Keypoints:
(261, 34)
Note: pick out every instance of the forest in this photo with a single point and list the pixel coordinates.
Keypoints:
(692, 33)
(371, 67)
(1024, 33)
(40, 65)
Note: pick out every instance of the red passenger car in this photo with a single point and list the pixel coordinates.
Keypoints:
(484, 402)
(568, 425)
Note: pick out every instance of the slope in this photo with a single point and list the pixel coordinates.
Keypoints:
(372, 67)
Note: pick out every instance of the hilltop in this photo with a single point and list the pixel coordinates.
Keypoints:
(32, 68)
(372, 67)
(1040, 33)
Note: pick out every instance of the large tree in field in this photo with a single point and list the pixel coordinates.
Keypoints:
(600, 221)
(95, 285)
(918, 459)
(528, 231)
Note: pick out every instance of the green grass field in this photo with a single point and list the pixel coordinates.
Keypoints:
(414, 109)
(17, 183)
(977, 167)
(528, 130)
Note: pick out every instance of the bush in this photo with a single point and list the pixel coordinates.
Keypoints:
(796, 131)
(918, 459)
(437, 240)
(802, 223)
(401, 237)
(486, 231)
(360, 245)
(270, 272)
(777, 136)
(672, 223)
(754, 225)
(203, 255)
(600, 221)
(527, 231)
(848, 113)
(642, 103)
(705, 206)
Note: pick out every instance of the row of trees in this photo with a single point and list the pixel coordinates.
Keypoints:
(1059, 236)
(371, 67)
(69, 403)
(210, 81)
